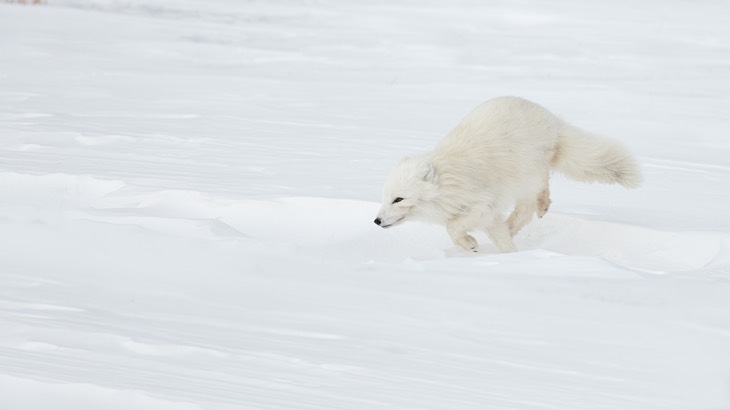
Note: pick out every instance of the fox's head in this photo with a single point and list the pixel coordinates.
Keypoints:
(409, 192)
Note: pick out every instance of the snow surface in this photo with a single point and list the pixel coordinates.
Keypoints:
(187, 191)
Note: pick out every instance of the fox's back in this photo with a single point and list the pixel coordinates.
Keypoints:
(504, 125)
(504, 147)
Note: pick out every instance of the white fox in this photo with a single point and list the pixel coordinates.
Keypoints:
(499, 156)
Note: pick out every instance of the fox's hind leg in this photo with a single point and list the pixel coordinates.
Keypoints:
(499, 233)
(543, 202)
(522, 214)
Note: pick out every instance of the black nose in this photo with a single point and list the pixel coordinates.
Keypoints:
(377, 221)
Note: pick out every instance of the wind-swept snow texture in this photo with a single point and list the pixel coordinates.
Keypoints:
(187, 191)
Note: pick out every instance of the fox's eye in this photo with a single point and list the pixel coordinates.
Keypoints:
(395, 201)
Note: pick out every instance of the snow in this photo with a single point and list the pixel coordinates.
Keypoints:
(187, 192)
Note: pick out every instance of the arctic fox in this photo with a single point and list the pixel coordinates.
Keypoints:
(499, 156)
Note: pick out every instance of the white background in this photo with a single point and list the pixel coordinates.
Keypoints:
(187, 191)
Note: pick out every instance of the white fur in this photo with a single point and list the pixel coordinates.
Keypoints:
(499, 156)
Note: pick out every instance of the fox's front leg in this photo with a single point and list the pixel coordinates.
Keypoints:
(458, 229)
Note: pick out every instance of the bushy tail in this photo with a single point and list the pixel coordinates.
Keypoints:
(591, 158)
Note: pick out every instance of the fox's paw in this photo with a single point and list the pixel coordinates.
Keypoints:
(543, 204)
(467, 242)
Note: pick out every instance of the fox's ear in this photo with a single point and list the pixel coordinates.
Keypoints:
(428, 170)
